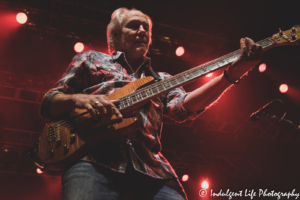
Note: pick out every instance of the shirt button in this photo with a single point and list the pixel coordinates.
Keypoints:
(128, 142)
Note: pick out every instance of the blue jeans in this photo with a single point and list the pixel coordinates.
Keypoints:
(87, 181)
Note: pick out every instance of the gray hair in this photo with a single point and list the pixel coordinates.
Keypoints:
(114, 28)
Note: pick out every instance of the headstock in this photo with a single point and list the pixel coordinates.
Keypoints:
(289, 37)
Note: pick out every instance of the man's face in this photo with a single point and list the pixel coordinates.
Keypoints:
(134, 40)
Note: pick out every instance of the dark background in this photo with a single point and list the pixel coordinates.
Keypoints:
(221, 146)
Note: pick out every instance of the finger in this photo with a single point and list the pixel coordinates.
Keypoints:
(117, 112)
(90, 109)
(115, 101)
(115, 109)
(243, 43)
(101, 112)
(108, 107)
(243, 46)
(250, 42)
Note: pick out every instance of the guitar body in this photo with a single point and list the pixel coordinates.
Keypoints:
(67, 139)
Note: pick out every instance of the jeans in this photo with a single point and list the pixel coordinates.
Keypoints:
(87, 181)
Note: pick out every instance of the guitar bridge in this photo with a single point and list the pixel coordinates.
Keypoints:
(53, 133)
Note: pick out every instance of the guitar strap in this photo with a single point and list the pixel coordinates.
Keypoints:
(154, 74)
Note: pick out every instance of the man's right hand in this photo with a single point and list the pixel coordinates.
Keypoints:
(65, 103)
(105, 106)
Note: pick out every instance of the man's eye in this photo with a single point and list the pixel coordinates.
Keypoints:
(135, 26)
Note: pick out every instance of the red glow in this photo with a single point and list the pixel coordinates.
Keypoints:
(204, 185)
(185, 177)
(78, 47)
(39, 171)
(179, 51)
(283, 88)
(21, 18)
(262, 67)
(209, 75)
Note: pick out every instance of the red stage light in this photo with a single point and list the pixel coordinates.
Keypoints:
(185, 178)
(209, 75)
(21, 18)
(39, 171)
(179, 51)
(283, 88)
(78, 47)
(262, 67)
(204, 185)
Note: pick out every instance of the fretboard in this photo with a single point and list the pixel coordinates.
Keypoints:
(161, 87)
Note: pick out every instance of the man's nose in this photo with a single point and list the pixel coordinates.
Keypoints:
(141, 30)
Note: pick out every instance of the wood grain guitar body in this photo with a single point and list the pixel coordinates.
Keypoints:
(67, 139)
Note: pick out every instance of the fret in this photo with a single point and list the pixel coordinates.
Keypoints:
(166, 84)
(163, 86)
(140, 96)
(231, 58)
(128, 101)
(157, 88)
(173, 81)
(181, 78)
(222, 62)
(266, 43)
(151, 91)
(130, 97)
(201, 70)
(144, 96)
(136, 98)
(213, 66)
(176, 80)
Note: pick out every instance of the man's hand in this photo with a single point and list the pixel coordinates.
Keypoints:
(251, 54)
(99, 102)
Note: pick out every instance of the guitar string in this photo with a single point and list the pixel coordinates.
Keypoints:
(161, 87)
(161, 84)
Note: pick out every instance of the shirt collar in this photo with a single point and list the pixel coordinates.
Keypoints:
(121, 55)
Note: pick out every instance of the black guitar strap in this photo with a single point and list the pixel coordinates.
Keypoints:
(155, 75)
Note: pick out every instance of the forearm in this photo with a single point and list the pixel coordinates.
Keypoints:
(206, 95)
(61, 104)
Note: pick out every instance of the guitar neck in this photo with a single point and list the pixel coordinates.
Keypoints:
(161, 87)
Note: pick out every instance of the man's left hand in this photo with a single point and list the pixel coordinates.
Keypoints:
(251, 54)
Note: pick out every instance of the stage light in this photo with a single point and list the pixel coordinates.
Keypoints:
(209, 75)
(78, 47)
(283, 88)
(39, 171)
(262, 67)
(21, 18)
(185, 178)
(179, 51)
(204, 185)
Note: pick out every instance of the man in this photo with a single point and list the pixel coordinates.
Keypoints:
(131, 167)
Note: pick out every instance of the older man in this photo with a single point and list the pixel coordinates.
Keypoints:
(131, 167)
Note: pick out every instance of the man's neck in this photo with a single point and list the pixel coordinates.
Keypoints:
(135, 62)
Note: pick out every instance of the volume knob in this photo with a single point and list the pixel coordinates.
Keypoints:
(66, 149)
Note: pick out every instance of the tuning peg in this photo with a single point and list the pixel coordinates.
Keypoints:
(293, 37)
(293, 30)
(280, 32)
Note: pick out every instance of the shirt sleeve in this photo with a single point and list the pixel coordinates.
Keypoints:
(173, 102)
(72, 82)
